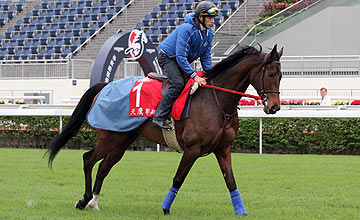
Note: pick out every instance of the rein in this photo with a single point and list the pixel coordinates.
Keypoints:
(263, 91)
(231, 91)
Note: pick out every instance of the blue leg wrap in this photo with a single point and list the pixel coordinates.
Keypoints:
(169, 198)
(237, 203)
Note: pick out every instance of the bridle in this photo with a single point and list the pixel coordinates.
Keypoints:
(264, 91)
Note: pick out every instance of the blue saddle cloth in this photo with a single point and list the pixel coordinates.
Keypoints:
(111, 108)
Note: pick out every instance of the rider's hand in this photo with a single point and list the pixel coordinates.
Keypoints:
(200, 81)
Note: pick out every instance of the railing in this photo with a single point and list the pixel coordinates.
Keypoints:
(228, 33)
(299, 112)
(219, 36)
(291, 66)
(245, 112)
(46, 69)
(321, 66)
(313, 66)
(253, 34)
(229, 18)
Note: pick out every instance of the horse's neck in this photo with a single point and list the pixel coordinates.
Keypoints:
(235, 78)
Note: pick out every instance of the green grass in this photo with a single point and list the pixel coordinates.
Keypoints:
(272, 187)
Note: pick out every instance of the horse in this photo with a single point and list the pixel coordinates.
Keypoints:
(210, 128)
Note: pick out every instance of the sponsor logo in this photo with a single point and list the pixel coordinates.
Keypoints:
(118, 49)
(136, 42)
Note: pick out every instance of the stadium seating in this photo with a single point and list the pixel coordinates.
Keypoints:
(53, 29)
(170, 13)
(8, 10)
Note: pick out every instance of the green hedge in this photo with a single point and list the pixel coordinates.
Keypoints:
(37, 132)
(300, 136)
(280, 135)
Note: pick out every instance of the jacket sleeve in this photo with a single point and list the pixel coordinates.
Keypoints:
(205, 58)
(182, 49)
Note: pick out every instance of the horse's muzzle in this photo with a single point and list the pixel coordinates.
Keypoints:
(273, 109)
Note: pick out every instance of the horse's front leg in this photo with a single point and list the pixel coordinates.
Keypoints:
(223, 156)
(187, 161)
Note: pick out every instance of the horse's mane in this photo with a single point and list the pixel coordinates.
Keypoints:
(231, 61)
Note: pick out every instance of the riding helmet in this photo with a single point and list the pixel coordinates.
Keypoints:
(206, 8)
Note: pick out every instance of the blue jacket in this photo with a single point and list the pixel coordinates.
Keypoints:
(187, 43)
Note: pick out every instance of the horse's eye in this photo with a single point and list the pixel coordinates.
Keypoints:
(271, 75)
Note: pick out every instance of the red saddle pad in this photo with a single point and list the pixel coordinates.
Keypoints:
(145, 97)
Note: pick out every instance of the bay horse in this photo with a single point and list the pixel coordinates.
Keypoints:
(210, 128)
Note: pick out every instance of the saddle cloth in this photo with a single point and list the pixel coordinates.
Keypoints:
(121, 100)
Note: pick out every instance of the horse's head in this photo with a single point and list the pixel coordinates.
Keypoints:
(266, 81)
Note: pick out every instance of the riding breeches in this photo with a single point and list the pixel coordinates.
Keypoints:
(170, 69)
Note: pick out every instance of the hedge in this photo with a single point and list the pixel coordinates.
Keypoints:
(280, 135)
(300, 136)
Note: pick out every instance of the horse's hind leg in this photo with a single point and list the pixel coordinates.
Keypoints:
(89, 158)
(113, 156)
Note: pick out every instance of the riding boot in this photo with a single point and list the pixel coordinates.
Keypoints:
(163, 112)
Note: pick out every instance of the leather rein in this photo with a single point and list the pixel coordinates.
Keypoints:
(263, 91)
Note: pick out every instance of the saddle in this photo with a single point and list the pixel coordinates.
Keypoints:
(169, 136)
(162, 78)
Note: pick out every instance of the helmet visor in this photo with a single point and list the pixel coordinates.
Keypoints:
(211, 12)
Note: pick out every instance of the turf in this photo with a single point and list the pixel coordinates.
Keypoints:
(272, 187)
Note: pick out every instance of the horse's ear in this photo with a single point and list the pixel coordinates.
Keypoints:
(274, 51)
(281, 52)
(274, 54)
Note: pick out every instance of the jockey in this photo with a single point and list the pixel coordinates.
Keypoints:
(186, 43)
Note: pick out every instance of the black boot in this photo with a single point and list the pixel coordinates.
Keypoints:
(161, 124)
(163, 111)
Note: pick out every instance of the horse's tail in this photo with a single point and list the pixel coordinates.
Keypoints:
(75, 121)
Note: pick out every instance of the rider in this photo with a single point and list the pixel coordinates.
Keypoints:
(186, 43)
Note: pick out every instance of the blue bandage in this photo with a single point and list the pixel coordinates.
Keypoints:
(169, 198)
(237, 203)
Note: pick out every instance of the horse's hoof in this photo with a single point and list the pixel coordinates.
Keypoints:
(94, 207)
(166, 212)
(79, 206)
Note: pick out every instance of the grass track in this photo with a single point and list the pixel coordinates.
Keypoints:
(272, 187)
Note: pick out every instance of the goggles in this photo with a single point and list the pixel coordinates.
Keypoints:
(211, 12)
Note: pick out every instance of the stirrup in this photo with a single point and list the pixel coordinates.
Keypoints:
(163, 125)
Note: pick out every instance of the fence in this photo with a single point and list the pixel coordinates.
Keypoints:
(46, 69)
(254, 34)
(244, 112)
(291, 66)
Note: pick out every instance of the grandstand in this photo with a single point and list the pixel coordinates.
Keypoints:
(58, 40)
(51, 30)
(56, 29)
